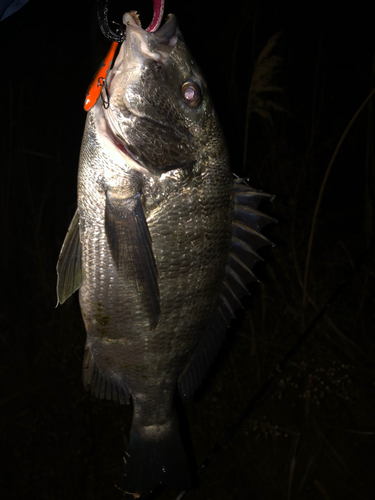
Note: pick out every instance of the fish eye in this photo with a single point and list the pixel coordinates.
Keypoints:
(191, 93)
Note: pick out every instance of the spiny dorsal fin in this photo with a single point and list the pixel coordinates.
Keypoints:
(246, 239)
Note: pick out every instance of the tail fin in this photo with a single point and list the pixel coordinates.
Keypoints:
(155, 456)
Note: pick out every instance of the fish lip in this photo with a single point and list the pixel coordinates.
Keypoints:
(140, 45)
(163, 34)
(169, 29)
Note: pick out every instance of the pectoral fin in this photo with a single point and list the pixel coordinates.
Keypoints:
(69, 265)
(131, 248)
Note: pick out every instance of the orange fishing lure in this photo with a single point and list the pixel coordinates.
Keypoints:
(94, 90)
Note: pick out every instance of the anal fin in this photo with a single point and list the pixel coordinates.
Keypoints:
(103, 384)
(246, 239)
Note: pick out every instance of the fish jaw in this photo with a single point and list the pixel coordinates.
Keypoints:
(145, 109)
(139, 49)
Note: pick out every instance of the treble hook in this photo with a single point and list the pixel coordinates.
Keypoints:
(106, 99)
(95, 88)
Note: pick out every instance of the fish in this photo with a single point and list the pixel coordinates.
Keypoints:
(161, 246)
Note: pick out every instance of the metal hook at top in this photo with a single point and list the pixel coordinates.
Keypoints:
(119, 34)
(102, 13)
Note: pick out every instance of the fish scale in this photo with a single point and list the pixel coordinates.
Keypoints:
(161, 246)
(191, 304)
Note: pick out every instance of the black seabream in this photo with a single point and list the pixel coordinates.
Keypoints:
(161, 246)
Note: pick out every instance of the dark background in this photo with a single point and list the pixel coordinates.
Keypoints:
(311, 435)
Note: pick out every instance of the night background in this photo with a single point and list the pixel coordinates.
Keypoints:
(286, 79)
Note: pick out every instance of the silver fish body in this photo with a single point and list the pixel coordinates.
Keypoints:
(157, 245)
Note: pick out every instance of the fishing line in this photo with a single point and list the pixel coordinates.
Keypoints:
(274, 374)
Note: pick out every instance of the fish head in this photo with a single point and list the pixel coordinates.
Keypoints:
(158, 108)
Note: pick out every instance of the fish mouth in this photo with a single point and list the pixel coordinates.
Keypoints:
(140, 45)
(130, 115)
(139, 50)
(166, 35)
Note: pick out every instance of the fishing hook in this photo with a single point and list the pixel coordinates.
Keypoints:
(105, 100)
(119, 34)
(95, 88)
(102, 12)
